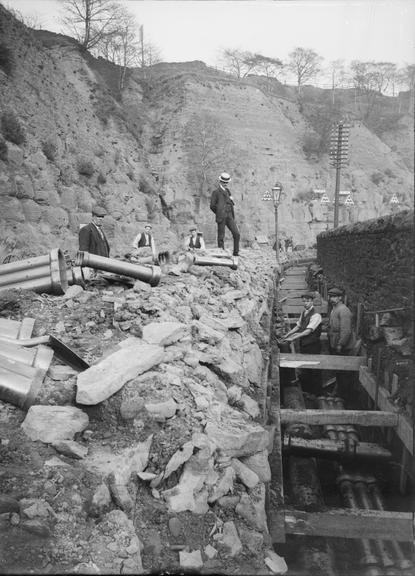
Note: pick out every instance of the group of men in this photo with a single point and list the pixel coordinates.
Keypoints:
(341, 337)
(92, 237)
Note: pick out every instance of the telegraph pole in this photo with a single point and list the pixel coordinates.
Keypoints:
(339, 149)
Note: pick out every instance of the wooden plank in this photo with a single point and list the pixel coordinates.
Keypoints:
(355, 417)
(404, 429)
(290, 285)
(298, 308)
(344, 523)
(322, 362)
(334, 449)
(275, 489)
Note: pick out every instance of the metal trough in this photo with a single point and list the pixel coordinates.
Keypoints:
(149, 274)
(41, 274)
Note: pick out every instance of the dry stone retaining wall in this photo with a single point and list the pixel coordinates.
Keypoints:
(372, 260)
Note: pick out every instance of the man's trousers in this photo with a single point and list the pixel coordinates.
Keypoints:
(231, 224)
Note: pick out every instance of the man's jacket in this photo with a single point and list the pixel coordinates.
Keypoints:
(340, 330)
(90, 240)
(221, 204)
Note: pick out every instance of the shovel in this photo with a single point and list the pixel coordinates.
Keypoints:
(61, 350)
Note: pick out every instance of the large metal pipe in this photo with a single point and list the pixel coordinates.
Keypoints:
(293, 398)
(149, 274)
(368, 559)
(212, 261)
(351, 432)
(41, 274)
(403, 562)
(361, 490)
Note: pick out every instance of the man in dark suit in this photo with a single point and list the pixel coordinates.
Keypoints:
(91, 237)
(222, 204)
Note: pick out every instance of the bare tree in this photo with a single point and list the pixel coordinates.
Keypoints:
(238, 62)
(207, 150)
(305, 64)
(90, 20)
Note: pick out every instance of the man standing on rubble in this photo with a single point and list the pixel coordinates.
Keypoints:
(91, 237)
(341, 336)
(222, 204)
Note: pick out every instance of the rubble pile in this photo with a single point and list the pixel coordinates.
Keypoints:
(154, 457)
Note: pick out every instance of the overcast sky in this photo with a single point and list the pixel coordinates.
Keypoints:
(184, 30)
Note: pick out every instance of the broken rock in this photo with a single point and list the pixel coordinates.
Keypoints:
(164, 333)
(190, 559)
(102, 380)
(275, 563)
(162, 410)
(71, 449)
(50, 424)
(234, 434)
(230, 540)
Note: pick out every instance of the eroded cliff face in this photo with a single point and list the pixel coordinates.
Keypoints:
(138, 154)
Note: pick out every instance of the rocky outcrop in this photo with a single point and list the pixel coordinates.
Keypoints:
(86, 144)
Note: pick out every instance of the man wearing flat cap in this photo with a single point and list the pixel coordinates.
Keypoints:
(341, 336)
(91, 237)
(195, 240)
(222, 204)
(307, 331)
(144, 246)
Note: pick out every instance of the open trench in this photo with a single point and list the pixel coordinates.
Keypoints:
(331, 467)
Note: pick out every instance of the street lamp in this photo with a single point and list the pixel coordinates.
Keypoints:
(275, 195)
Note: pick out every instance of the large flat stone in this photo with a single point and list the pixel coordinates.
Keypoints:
(50, 424)
(102, 380)
(164, 333)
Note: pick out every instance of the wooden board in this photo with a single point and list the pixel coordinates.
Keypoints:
(404, 429)
(371, 524)
(334, 449)
(322, 361)
(298, 308)
(354, 417)
(292, 285)
(275, 489)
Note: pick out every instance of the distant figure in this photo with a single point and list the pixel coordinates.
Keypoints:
(195, 240)
(222, 204)
(91, 237)
(341, 336)
(144, 245)
(307, 331)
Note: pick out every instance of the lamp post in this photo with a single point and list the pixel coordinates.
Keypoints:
(275, 195)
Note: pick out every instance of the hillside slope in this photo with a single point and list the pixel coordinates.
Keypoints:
(143, 153)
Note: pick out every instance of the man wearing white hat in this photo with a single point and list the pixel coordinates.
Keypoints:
(222, 204)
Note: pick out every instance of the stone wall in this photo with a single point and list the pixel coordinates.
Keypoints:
(372, 260)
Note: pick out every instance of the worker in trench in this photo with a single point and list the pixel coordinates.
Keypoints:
(342, 339)
(307, 331)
